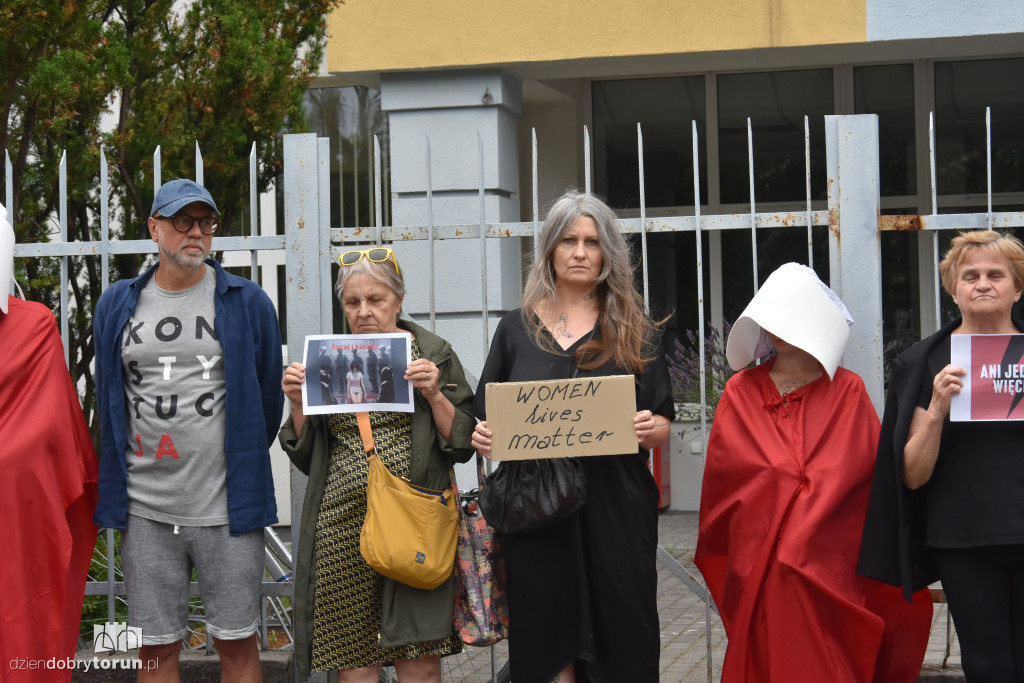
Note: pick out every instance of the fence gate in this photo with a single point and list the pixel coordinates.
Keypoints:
(312, 245)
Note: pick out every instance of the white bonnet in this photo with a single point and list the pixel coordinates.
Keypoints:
(796, 306)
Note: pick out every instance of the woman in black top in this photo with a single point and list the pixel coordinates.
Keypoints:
(582, 592)
(961, 499)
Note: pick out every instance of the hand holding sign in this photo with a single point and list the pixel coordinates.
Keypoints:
(481, 439)
(947, 384)
(347, 373)
(651, 432)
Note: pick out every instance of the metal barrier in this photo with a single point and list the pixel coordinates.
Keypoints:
(309, 284)
(310, 245)
(113, 588)
(852, 217)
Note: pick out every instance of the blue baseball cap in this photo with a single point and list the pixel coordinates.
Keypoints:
(172, 196)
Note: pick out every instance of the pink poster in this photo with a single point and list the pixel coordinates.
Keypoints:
(994, 384)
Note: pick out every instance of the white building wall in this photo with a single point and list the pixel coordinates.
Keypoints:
(462, 112)
(459, 112)
(907, 19)
(557, 118)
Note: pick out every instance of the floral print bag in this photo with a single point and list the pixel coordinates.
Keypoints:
(481, 610)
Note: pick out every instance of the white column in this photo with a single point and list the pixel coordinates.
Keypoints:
(854, 202)
(451, 108)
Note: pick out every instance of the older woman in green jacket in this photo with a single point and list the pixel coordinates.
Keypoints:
(349, 618)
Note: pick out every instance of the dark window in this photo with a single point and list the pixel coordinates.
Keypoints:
(775, 246)
(901, 312)
(888, 91)
(282, 302)
(672, 262)
(962, 92)
(776, 103)
(665, 108)
(351, 117)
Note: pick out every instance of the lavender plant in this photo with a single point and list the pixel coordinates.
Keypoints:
(684, 367)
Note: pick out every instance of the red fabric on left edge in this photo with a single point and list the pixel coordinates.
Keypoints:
(47, 497)
(784, 496)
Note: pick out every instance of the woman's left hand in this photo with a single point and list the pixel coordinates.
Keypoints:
(424, 376)
(651, 430)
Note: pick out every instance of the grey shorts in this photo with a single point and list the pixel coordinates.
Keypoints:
(158, 566)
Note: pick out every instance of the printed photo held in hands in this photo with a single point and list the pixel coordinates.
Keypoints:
(356, 372)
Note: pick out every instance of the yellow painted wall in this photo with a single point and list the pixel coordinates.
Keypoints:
(382, 35)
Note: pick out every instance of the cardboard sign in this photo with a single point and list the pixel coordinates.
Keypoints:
(562, 418)
(994, 384)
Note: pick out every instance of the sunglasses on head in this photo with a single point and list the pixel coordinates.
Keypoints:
(375, 255)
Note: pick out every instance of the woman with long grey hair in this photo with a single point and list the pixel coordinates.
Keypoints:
(582, 591)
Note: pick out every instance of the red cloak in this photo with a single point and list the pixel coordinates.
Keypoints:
(47, 498)
(783, 501)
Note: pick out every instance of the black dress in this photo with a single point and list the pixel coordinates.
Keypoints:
(975, 496)
(584, 590)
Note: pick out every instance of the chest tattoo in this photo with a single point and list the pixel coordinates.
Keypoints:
(561, 327)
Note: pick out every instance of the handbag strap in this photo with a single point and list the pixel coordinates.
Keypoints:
(363, 420)
(480, 476)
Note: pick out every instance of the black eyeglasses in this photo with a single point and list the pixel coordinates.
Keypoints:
(183, 223)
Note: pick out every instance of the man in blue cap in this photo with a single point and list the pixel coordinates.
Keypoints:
(188, 376)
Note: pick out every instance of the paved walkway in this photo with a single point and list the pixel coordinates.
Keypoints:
(684, 641)
(683, 644)
(684, 647)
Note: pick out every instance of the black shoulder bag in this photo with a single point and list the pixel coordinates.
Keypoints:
(526, 495)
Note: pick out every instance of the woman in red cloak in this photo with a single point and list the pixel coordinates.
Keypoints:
(47, 490)
(783, 501)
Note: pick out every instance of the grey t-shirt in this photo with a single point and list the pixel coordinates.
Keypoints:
(173, 371)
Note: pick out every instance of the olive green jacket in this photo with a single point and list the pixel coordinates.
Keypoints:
(410, 615)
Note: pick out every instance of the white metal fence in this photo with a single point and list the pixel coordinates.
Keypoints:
(277, 556)
(852, 216)
(310, 245)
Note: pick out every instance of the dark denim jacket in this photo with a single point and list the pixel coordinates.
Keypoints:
(246, 325)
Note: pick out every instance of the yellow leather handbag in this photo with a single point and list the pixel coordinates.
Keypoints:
(410, 532)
